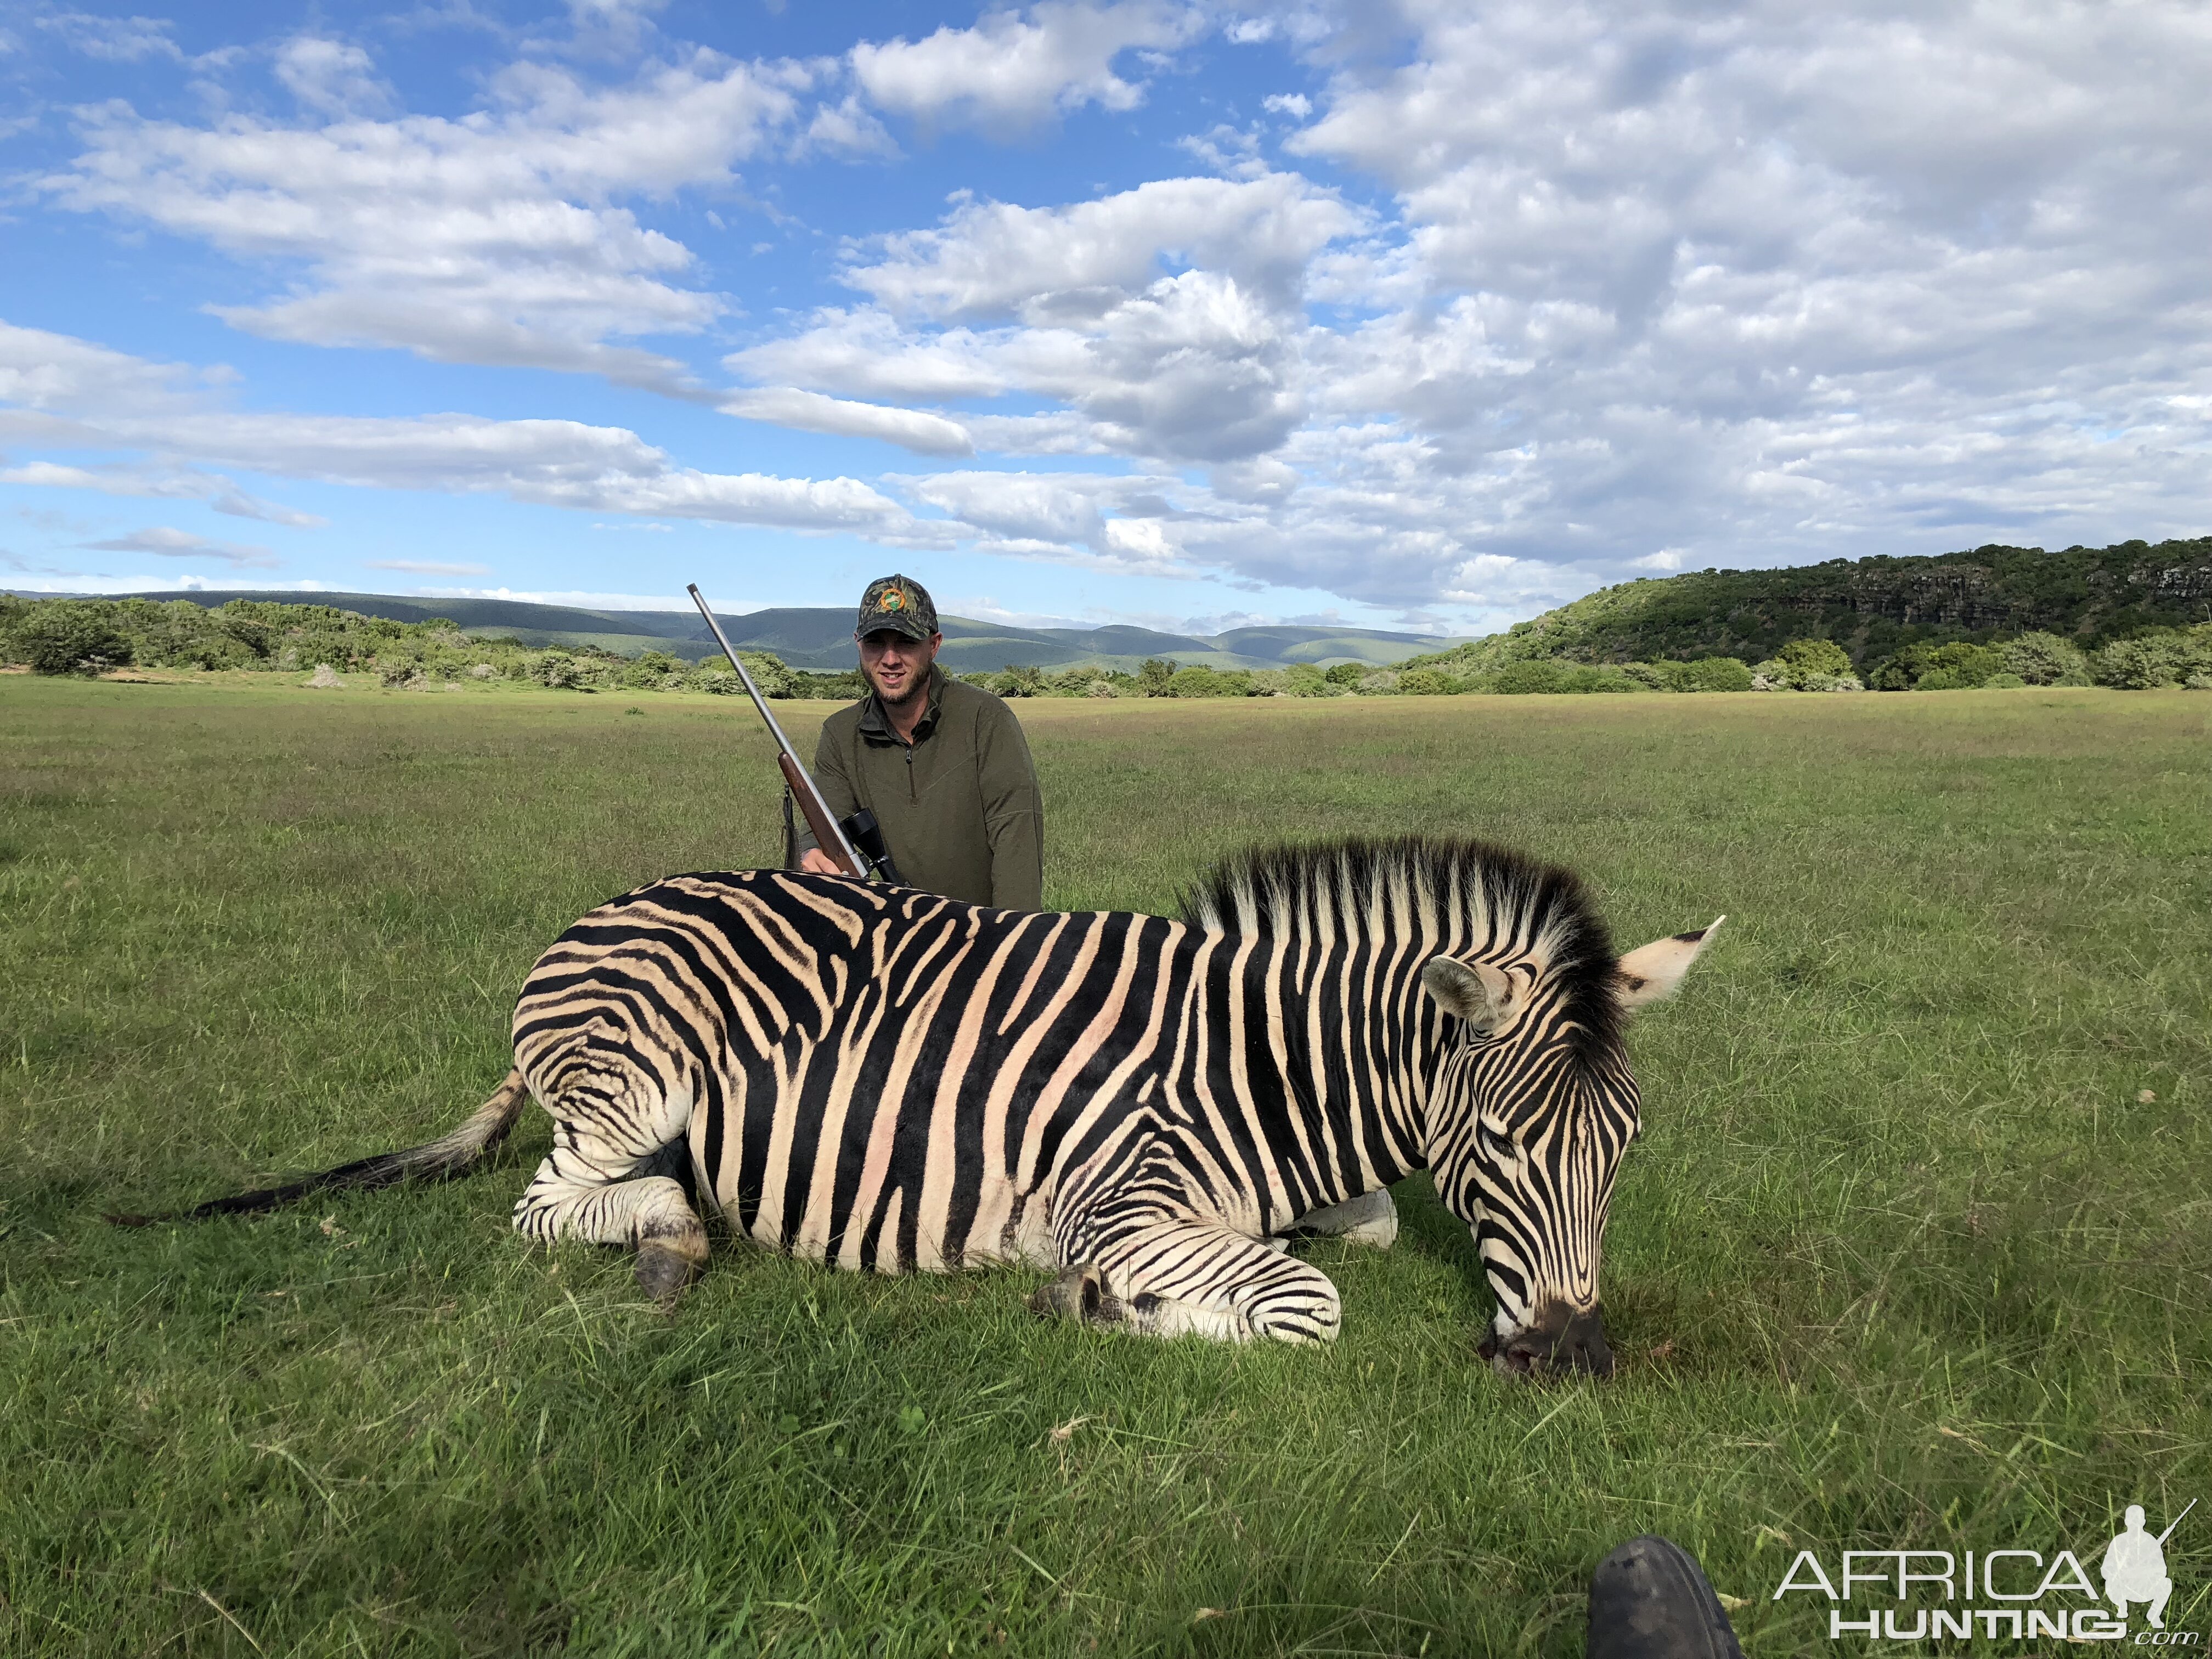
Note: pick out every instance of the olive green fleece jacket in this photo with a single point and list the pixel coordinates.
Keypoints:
(959, 806)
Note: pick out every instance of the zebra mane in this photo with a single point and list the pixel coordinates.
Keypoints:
(1479, 893)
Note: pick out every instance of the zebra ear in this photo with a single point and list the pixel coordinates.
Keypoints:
(1472, 991)
(1654, 971)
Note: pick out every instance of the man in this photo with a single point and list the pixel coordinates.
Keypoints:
(942, 765)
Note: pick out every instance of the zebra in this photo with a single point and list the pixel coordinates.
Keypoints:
(1146, 1107)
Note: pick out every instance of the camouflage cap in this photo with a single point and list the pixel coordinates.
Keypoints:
(900, 604)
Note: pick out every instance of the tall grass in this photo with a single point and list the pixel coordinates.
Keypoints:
(1904, 1258)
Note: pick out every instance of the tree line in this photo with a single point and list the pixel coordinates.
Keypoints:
(91, 636)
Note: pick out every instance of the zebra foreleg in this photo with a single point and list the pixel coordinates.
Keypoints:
(1194, 1278)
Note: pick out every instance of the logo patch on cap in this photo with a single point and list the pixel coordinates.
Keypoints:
(892, 599)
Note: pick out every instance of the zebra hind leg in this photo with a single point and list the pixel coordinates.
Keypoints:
(1079, 1293)
(1371, 1220)
(599, 1185)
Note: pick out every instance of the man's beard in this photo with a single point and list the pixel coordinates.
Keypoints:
(917, 684)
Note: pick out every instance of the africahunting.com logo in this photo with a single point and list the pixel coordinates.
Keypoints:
(2005, 1595)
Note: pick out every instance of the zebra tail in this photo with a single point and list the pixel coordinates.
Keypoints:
(448, 1154)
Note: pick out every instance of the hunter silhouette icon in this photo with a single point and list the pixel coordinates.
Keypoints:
(2135, 1566)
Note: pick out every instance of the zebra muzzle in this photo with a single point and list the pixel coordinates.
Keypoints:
(1558, 1343)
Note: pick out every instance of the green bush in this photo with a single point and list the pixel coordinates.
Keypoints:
(1971, 665)
(66, 637)
(1345, 673)
(1806, 657)
(2003, 683)
(2143, 663)
(847, 687)
(1428, 682)
(1714, 674)
(1537, 677)
(1153, 675)
(770, 674)
(2041, 659)
(557, 670)
(649, 670)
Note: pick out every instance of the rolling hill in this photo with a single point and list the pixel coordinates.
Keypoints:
(820, 638)
(1870, 606)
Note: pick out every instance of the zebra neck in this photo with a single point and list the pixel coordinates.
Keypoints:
(1348, 1054)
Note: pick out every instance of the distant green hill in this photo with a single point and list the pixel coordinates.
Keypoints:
(1871, 607)
(819, 638)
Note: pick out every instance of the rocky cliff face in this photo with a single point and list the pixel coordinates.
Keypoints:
(1991, 589)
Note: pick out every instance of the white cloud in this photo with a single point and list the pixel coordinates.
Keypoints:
(427, 567)
(171, 482)
(867, 352)
(1202, 365)
(564, 463)
(1050, 507)
(119, 39)
(1044, 265)
(1012, 70)
(845, 129)
(810, 412)
(329, 76)
(167, 543)
(495, 238)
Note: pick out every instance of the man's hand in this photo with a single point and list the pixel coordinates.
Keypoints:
(819, 862)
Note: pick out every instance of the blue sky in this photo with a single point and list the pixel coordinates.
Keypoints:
(1407, 314)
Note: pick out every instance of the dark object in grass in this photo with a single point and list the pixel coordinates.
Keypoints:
(1649, 1600)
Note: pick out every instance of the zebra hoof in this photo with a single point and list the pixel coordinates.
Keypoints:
(664, 1274)
(1078, 1293)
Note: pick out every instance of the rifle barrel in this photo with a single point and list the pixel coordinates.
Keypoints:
(2177, 1520)
(844, 846)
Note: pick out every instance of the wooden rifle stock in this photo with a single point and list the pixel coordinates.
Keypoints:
(817, 819)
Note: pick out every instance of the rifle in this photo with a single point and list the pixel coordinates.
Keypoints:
(857, 844)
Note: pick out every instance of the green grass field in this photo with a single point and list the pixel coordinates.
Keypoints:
(1907, 1256)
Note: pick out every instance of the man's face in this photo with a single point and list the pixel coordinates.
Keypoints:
(897, 668)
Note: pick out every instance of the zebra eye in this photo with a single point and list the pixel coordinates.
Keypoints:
(1494, 1146)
